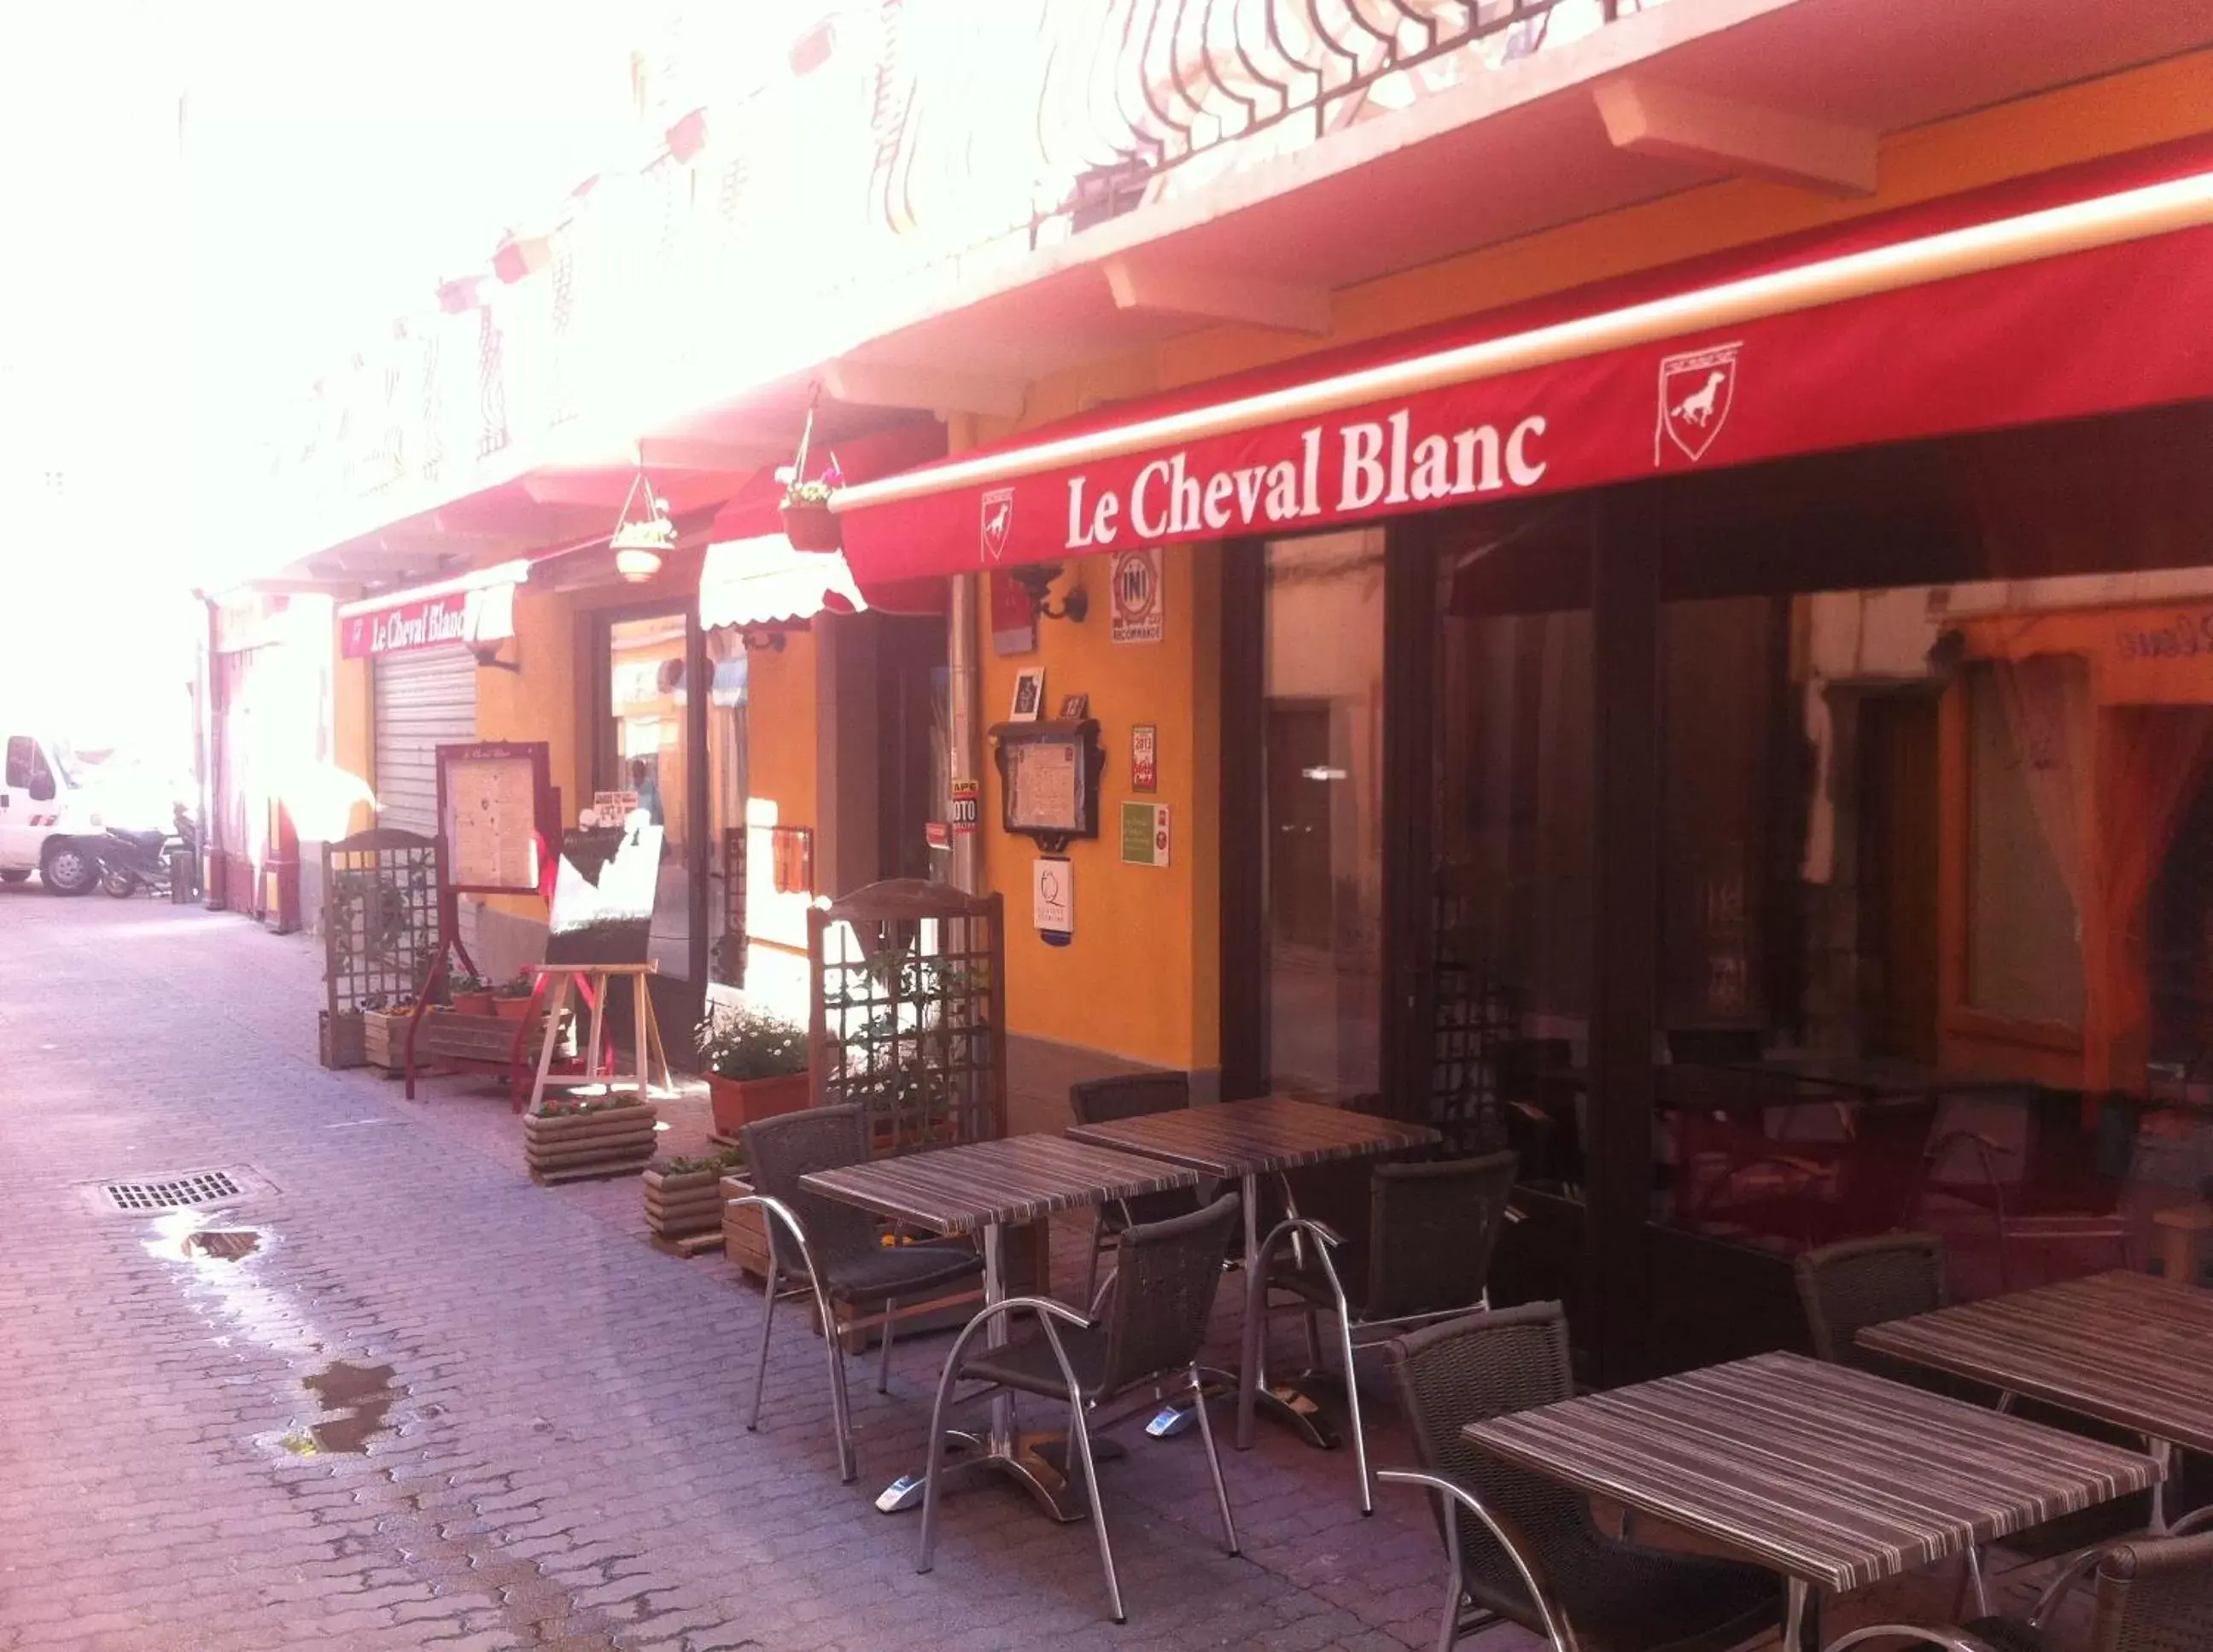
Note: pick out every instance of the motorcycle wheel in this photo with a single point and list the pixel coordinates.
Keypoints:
(115, 882)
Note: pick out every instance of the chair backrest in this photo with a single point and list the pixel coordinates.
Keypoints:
(2155, 1596)
(1432, 1230)
(782, 1149)
(1467, 1370)
(1166, 1274)
(1864, 1282)
(1100, 1101)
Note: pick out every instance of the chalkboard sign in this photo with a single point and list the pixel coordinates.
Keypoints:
(603, 894)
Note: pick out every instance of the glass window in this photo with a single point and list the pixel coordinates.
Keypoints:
(2024, 845)
(1322, 812)
(646, 698)
(22, 760)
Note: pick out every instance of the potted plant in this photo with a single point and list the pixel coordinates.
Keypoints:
(755, 1065)
(807, 521)
(510, 1000)
(470, 994)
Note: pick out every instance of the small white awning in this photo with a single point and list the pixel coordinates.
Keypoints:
(765, 581)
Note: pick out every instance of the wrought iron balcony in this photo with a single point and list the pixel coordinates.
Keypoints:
(1098, 102)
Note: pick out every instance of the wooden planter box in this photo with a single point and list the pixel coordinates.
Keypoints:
(449, 1035)
(740, 1102)
(616, 1141)
(684, 1210)
(339, 1038)
(1030, 1271)
(384, 1038)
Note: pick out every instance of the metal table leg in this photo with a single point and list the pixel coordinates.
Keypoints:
(1802, 1620)
(1038, 1462)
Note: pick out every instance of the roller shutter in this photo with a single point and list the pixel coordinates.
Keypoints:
(425, 698)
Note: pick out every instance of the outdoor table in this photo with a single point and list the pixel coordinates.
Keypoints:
(2122, 1348)
(1830, 1476)
(980, 1187)
(1245, 1141)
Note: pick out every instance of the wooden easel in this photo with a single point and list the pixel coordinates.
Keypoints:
(594, 982)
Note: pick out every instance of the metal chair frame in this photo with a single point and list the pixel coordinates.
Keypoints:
(1352, 1334)
(841, 1409)
(2040, 1615)
(1452, 1499)
(1082, 1416)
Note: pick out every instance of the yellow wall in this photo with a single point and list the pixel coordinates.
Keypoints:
(1141, 979)
(780, 703)
(353, 750)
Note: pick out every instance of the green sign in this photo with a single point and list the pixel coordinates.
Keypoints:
(1144, 834)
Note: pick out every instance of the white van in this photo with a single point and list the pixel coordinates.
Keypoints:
(47, 822)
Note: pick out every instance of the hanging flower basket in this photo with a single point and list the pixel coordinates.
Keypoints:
(808, 524)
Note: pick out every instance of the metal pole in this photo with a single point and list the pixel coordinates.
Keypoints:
(963, 697)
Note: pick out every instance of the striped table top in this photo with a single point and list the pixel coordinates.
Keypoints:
(1250, 1138)
(957, 1190)
(2124, 1348)
(1817, 1472)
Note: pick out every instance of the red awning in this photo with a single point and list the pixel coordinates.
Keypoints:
(2069, 293)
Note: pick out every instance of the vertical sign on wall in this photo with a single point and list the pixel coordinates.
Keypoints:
(1145, 757)
(1139, 603)
(1052, 900)
(1144, 834)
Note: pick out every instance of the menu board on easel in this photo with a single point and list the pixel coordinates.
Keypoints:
(493, 810)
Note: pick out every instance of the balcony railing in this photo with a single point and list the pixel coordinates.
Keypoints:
(1087, 107)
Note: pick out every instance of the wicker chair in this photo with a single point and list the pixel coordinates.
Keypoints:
(2154, 1594)
(1864, 1282)
(1101, 1101)
(1525, 1549)
(835, 1245)
(1432, 1228)
(1108, 1367)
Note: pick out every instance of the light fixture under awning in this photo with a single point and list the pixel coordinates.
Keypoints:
(763, 582)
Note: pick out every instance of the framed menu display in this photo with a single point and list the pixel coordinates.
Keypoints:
(1049, 775)
(494, 809)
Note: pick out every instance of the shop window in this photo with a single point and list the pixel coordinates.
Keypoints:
(2024, 851)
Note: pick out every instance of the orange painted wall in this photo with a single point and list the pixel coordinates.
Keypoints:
(538, 702)
(353, 751)
(1142, 978)
(780, 712)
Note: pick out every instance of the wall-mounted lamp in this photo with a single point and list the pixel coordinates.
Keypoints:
(1036, 580)
(487, 653)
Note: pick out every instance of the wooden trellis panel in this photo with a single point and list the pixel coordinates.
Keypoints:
(379, 917)
(907, 1016)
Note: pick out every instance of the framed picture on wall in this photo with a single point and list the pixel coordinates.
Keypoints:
(1029, 695)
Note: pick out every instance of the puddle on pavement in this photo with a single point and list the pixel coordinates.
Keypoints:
(363, 1394)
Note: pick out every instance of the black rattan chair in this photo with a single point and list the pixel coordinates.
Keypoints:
(1525, 1549)
(1100, 1101)
(2154, 1594)
(1432, 1228)
(835, 1247)
(1864, 1282)
(1144, 1344)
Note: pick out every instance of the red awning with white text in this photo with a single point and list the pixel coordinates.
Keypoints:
(2063, 296)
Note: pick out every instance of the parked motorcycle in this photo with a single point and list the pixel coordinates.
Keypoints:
(131, 861)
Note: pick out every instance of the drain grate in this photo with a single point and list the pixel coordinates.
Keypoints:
(172, 1192)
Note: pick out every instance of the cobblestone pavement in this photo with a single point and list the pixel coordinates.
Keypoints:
(554, 1458)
